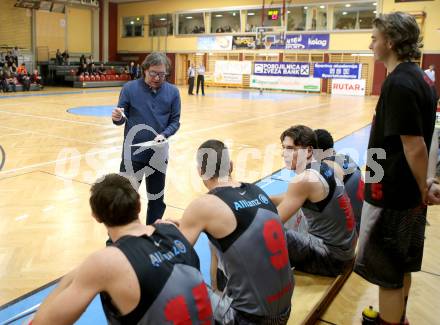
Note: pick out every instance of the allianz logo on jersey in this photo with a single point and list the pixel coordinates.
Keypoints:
(157, 258)
(243, 204)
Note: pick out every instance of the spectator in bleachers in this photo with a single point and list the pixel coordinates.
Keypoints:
(101, 69)
(58, 57)
(23, 77)
(36, 79)
(11, 80)
(13, 68)
(82, 70)
(82, 60)
(132, 70)
(3, 83)
(66, 57)
(92, 69)
(15, 53)
(138, 71)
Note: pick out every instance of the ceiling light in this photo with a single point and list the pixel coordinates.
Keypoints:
(132, 22)
(374, 12)
(306, 7)
(344, 13)
(374, 3)
(163, 19)
(219, 15)
(137, 18)
(322, 7)
(189, 17)
(288, 11)
(251, 13)
(348, 5)
(233, 14)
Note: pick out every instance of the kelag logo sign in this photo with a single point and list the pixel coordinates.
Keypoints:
(307, 42)
(282, 69)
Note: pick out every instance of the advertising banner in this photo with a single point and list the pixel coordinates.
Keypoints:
(307, 41)
(283, 69)
(348, 87)
(286, 83)
(337, 70)
(233, 67)
(214, 43)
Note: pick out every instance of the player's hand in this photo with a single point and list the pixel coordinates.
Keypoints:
(117, 114)
(160, 138)
(433, 195)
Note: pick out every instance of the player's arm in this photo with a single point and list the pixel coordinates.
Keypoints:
(193, 221)
(297, 193)
(416, 155)
(74, 293)
(277, 199)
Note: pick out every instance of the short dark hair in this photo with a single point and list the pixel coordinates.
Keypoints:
(403, 32)
(301, 135)
(114, 201)
(154, 59)
(213, 159)
(324, 139)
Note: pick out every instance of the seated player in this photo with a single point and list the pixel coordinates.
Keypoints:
(242, 223)
(353, 181)
(148, 275)
(329, 244)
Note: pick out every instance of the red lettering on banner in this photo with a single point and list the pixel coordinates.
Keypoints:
(345, 205)
(276, 243)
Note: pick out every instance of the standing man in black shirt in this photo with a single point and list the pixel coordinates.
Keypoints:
(396, 189)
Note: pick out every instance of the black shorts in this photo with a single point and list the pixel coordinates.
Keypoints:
(390, 244)
(308, 253)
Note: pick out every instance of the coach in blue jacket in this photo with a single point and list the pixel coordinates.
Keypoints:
(150, 109)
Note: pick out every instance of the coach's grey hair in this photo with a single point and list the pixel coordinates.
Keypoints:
(154, 59)
(403, 32)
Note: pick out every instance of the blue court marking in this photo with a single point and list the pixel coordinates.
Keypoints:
(62, 93)
(101, 110)
(255, 95)
(272, 185)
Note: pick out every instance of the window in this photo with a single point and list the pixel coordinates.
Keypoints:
(191, 23)
(272, 17)
(225, 21)
(354, 15)
(133, 26)
(307, 18)
(161, 25)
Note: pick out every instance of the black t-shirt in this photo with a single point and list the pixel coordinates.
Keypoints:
(406, 106)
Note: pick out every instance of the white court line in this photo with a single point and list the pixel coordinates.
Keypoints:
(56, 119)
(183, 133)
(50, 135)
(59, 160)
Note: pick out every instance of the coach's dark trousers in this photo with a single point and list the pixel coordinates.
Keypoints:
(190, 85)
(201, 80)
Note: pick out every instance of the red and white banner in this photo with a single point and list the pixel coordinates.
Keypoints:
(348, 87)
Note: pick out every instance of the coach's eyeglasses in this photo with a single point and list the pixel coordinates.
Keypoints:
(154, 74)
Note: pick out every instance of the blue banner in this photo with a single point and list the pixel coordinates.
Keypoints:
(337, 70)
(307, 41)
(283, 69)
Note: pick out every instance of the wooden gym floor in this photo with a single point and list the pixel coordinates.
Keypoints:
(53, 156)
